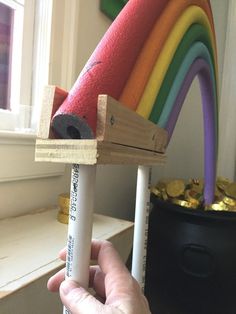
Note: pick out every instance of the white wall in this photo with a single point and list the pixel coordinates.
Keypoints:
(20, 197)
(92, 26)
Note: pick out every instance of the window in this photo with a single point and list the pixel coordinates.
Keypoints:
(6, 34)
(28, 56)
(11, 30)
(25, 30)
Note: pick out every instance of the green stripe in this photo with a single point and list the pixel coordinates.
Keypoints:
(112, 7)
(196, 32)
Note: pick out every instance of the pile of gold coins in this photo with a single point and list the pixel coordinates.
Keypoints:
(190, 194)
(64, 204)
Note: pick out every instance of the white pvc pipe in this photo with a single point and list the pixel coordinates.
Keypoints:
(142, 208)
(80, 224)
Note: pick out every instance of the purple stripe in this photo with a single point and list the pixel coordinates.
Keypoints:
(201, 68)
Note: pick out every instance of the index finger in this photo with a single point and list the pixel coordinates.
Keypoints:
(119, 284)
(103, 252)
(108, 258)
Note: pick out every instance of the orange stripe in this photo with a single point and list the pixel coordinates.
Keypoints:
(142, 69)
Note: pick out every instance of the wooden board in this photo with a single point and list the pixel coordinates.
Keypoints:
(91, 152)
(118, 124)
(123, 137)
(53, 97)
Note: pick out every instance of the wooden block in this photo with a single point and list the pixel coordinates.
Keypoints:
(123, 137)
(118, 124)
(67, 151)
(111, 153)
(91, 152)
(53, 97)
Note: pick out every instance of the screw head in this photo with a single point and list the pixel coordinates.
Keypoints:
(112, 120)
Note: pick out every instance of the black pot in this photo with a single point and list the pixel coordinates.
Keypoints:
(191, 260)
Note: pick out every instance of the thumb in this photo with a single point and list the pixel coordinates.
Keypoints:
(78, 300)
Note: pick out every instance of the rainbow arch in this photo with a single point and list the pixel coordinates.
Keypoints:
(148, 60)
(189, 50)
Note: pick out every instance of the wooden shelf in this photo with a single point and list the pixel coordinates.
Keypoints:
(30, 245)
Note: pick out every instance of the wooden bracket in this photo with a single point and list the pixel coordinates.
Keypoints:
(53, 97)
(123, 137)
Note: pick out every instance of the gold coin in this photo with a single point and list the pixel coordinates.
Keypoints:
(231, 208)
(229, 201)
(220, 206)
(231, 190)
(194, 181)
(161, 185)
(164, 195)
(156, 192)
(62, 217)
(183, 203)
(197, 189)
(175, 188)
(192, 197)
(218, 194)
(198, 186)
(222, 183)
(196, 195)
(64, 202)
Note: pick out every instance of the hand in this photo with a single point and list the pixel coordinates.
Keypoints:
(117, 292)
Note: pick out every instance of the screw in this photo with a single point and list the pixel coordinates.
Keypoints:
(112, 120)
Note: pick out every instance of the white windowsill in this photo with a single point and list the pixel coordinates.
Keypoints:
(17, 151)
(17, 135)
(30, 244)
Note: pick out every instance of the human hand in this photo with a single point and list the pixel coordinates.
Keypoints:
(117, 292)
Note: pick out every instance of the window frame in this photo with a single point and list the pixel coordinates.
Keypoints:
(9, 116)
(23, 139)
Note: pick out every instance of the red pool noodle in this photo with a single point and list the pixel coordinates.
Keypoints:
(108, 68)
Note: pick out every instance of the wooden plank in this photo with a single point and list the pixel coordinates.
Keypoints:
(115, 122)
(123, 137)
(111, 153)
(67, 151)
(118, 124)
(53, 97)
(90, 152)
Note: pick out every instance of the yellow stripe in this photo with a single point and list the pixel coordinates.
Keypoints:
(191, 15)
